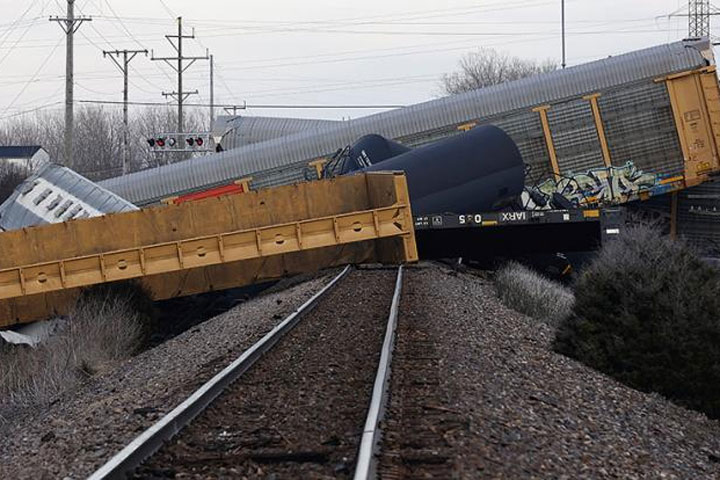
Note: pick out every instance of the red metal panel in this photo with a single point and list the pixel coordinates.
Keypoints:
(213, 192)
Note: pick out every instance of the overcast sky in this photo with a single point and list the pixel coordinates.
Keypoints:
(330, 52)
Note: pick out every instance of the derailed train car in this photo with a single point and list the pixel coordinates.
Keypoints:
(56, 194)
(606, 132)
(466, 194)
(239, 131)
(479, 170)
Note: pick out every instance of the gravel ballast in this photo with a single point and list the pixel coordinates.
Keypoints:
(476, 392)
(84, 428)
(492, 400)
(299, 411)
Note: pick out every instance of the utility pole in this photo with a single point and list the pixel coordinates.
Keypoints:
(562, 15)
(180, 95)
(70, 24)
(123, 65)
(212, 93)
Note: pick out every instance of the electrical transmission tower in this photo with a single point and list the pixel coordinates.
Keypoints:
(70, 24)
(699, 18)
(124, 65)
(180, 95)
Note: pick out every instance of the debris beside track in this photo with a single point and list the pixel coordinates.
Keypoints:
(485, 396)
(84, 428)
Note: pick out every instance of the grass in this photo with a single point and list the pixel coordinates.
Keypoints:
(103, 329)
(528, 292)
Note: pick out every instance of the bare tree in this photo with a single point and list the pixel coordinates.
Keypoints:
(97, 143)
(10, 177)
(486, 67)
(98, 139)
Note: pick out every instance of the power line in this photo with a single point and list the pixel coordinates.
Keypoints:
(32, 110)
(261, 63)
(91, 42)
(451, 33)
(127, 31)
(32, 78)
(14, 45)
(112, 47)
(221, 77)
(167, 9)
(345, 85)
(244, 105)
(15, 23)
(470, 34)
(238, 25)
(5, 27)
(135, 39)
(367, 19)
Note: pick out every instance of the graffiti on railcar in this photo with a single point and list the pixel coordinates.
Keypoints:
(598, 186)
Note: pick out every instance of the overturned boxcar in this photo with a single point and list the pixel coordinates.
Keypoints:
(606, 132)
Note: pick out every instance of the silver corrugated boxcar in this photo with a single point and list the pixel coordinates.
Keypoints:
(55, 194)
(640, 127)
(242, 130)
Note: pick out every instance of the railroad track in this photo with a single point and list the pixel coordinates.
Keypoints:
(419, 417)
(304, 401)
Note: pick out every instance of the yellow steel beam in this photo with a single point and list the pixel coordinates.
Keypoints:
(599, 127)
(542, 110)
(209, 244)
(675, 76)
(153, 259)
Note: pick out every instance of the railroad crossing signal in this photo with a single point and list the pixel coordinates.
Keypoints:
(195, 141)
(178, 142)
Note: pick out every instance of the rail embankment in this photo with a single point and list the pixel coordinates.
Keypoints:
(80, 429)
(494, 400)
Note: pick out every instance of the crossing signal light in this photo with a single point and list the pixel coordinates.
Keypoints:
(158, 142)
(195, 141)
(172, 141)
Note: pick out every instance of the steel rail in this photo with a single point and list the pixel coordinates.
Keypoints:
(366, 467)
(150, 441)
